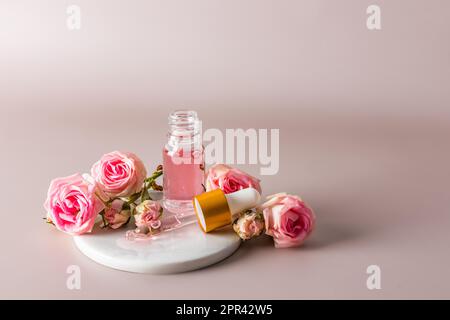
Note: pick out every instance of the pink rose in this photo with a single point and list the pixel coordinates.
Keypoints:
(72, 205)
(249, 225)
(119, 174)
(147, 215)
(115, 216)
(221, 176)
(288, 220)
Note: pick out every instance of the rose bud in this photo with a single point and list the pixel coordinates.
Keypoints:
(249, 225)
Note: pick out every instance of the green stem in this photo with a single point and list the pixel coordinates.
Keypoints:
(102, 214)
(144, 189)
(133, 197)
(153, 177)
(147, 185)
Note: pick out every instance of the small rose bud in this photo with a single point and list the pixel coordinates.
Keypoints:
(249, 225)
(147, 215)
(114, 216)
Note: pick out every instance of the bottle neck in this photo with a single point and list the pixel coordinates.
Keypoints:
(184, 130)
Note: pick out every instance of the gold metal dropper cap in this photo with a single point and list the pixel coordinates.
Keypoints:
(212, 210)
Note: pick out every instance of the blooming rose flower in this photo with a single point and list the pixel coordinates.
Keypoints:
(288, 220)
(249, 225)
(119, 174)
(72, 205)
(221, 176)
(147, 215)
(115, 216)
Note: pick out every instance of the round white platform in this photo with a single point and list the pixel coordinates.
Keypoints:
(180, 250)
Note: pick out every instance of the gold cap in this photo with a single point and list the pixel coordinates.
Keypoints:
(212, 210)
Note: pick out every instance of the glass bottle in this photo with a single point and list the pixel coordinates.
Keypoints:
(183, 162)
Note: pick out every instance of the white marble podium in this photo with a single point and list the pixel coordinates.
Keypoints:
(184, 249)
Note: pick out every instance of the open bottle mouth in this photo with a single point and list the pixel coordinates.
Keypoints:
(187, 115)
(184, 128)
(183, 122)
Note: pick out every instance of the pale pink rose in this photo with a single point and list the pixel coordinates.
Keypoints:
(119, 174)
(72, 205)
(115, 216)
(249, 225)
(228, 179)
(288, 220)
(147, 215)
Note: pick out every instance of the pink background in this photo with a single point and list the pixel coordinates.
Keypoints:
(364, 123)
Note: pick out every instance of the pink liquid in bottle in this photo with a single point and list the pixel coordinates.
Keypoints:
(183, 163)
(183, 181)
